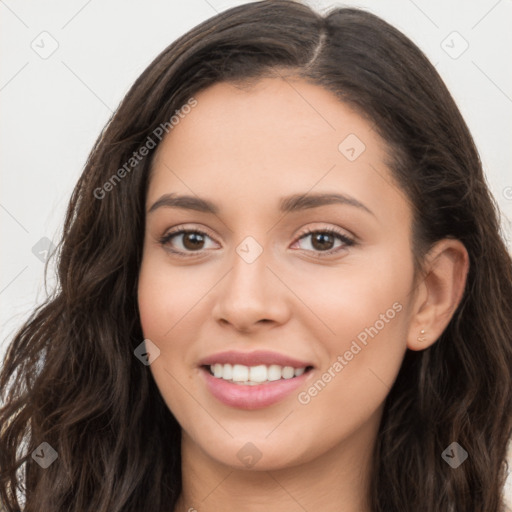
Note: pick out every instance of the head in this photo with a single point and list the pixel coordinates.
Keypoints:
(271, 100)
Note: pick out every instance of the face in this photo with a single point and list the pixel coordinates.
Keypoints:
(287, 273)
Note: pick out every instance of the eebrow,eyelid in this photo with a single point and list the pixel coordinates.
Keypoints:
(300, 202)
(347, 241)
(179, 230)
(289, 204)
(183, 228)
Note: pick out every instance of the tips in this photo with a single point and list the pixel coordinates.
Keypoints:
(249, 455)
(454, 45)
(43, 249)
(45, 45)
(454, 455)
(147, 352)
(44, 455)
(351, 147)
(249, 249)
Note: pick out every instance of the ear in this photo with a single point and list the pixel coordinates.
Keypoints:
(438, 293)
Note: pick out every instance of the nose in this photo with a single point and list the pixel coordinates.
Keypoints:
(251, 296)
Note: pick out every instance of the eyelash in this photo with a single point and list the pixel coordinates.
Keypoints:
(347, 241)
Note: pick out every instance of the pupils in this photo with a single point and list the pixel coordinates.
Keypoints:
(191, 242)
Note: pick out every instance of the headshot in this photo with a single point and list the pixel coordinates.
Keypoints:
(282, 283)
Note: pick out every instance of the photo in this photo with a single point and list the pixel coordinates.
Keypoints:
(257, 257)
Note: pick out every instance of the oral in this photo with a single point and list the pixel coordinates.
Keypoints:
(254, 375)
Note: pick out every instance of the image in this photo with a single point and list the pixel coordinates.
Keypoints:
(257, 256)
